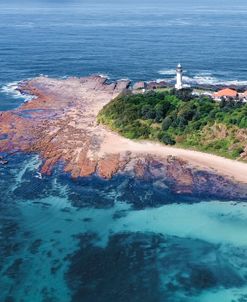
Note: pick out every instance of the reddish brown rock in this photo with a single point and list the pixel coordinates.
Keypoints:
(140, 85)
(108, 166)
(179, 172)
(60, 125)
(59, 122)
(156, 85)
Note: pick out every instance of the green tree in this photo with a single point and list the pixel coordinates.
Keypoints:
(166, 123)
(167, 139)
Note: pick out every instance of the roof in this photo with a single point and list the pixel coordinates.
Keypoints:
(226, 92)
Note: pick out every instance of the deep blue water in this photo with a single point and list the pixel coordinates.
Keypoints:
(120, 240)
(134, 39)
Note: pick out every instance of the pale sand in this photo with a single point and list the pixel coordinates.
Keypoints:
(88, 102)
(114, 143)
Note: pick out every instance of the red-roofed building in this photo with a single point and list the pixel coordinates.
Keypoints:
(227, 92)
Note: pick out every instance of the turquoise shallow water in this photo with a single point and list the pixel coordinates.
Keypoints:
(102, 241)
(93, 240)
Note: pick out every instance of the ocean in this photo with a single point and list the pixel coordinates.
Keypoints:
(114, 241)
(128, 39)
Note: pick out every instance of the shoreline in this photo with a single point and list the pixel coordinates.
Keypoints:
(224, 166)
(60, 124)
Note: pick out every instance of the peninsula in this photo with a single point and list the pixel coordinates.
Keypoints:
(61, 125)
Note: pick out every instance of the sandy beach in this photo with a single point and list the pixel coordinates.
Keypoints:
(113, 143)
(61, 125)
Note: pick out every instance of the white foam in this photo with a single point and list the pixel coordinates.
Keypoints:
(211, 80)
(11, 89)
(43, 75)
(104, 76)
(32, 164)
(167, 72)
(38, 175)
(202, 78)
(124, 79)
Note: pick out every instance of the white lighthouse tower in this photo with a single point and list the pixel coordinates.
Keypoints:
(179, 72)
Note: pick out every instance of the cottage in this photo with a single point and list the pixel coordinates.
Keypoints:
(225, 93)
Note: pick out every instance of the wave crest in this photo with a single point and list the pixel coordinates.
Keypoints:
(11, 89)
(167, 72)
(202, 78)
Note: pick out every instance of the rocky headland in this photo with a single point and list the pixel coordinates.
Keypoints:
(60, 124)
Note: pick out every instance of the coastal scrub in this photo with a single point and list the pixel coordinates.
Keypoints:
(178, 118)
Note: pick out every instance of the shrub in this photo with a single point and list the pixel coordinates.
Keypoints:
(166, 123)
(166, 139)
(176, 116)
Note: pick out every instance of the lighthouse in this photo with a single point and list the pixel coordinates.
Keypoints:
(179, 72)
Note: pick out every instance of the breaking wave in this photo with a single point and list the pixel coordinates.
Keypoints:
(11, 89)
(167, 72)
(208, 79)
(203, 78)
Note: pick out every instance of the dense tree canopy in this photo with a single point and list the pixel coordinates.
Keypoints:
(173, 117)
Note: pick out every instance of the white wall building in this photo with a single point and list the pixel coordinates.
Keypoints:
(179, 72)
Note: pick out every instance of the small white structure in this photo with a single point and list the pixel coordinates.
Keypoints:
(179, 72)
